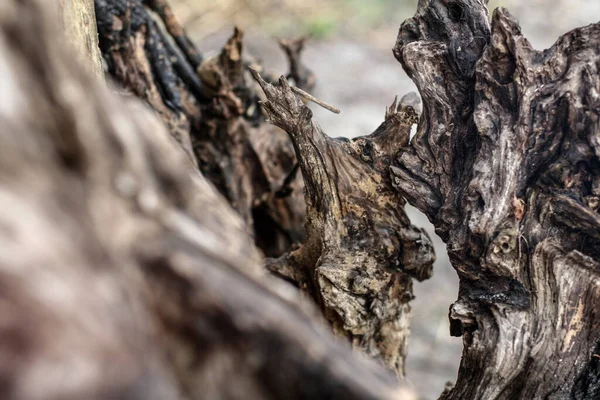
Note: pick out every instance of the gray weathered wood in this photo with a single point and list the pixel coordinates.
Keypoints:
(359, 258)
(79, 22)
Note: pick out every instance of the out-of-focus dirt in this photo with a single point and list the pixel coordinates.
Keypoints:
(357, 73)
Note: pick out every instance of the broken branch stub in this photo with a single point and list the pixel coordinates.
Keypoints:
(251, 162)
(361, 252)
(506, 164)
(300, 74)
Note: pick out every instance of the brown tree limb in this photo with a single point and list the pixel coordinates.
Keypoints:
(176, 31)
(210, 107)
(249, 161)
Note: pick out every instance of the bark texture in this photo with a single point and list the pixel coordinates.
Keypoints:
(109, 216)
(252, 163)
(506, 164)
(361, 251)
(124, 274)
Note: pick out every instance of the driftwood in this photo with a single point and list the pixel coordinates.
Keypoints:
(124, 273)
(361, 251)
(506, 164)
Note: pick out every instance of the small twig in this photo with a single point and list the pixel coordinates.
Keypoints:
(296, 90)
(312, 98)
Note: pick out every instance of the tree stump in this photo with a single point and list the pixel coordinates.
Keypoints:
(132, 241)
(505, 163)
(354, 257)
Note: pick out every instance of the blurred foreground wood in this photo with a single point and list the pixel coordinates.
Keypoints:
(125, 275)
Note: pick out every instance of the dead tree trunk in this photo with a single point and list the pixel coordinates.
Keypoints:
(506, 164)
(361, 252)
(124, 274)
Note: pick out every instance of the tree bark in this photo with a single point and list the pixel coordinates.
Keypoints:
(505, 163)
(125, 274)
(124, 268)
(361, 251)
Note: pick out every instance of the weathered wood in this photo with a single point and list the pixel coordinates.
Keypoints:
(139, 57)
(124, 273)
(255, 167)
(252, 163)
(361, 250)
(506, 164)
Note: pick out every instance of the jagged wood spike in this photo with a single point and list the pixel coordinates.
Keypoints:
(302, 76)
(176, 31)
(361, 250)
(211, 108)
(249, 163)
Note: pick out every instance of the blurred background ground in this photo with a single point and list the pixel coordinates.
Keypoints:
(350, 53)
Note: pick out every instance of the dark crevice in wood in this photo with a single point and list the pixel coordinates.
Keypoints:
(211, 107)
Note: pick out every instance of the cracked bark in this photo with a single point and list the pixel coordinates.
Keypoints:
(249, 161)
(505, 163)
(122, 268)
(254, 165)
